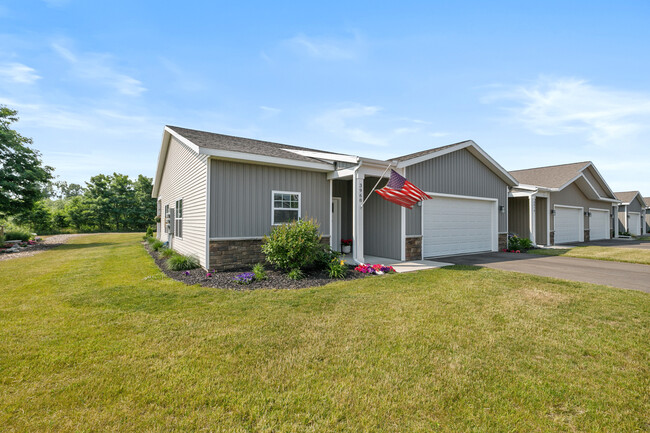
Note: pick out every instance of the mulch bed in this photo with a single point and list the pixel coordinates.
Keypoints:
(275, 279)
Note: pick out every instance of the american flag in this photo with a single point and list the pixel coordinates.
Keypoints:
(402, 192)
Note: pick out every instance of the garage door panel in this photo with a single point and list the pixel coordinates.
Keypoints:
(567, 224)
(634, 223)
(457, 226)
(599, 224)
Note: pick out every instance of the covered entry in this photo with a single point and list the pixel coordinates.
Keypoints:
(458, 225)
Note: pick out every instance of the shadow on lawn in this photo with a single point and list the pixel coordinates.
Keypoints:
(83, 246)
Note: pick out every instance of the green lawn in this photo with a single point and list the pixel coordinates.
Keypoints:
(629, 255)
(89, 343)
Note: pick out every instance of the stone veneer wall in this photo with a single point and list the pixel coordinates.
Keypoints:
(586, 236)
(236, 254)
(552, 238)
(414, 248)
(503, 241)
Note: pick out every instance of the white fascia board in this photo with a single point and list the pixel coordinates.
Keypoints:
(516, 194)
(325, 155)
(344, 172)
(607, 188)
(266, 160)
(378, 162)
(182, 139)
(527, 187)
(592, 194)
(475, 150)
(162, 157)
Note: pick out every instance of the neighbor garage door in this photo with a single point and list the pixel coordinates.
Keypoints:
(598, 224)
(458, 225)
(634, 223)
(568, 224)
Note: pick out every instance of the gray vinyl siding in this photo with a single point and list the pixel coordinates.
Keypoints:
(240, 197)
(572, 196)
(635, 206)
(184, 177)
(381, 224)
(458, 173)
(541, 215)
(343, 189)
(518, 218)
(591, 177)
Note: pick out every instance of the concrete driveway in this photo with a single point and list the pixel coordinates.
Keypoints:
(615, 274)
(616, 243)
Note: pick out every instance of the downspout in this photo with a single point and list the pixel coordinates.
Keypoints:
(357, 229)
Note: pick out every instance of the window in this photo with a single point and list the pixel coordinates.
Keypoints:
(285, 207)
(166, 218)
(178, 219)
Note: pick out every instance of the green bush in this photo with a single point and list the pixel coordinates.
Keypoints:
(149, 231)
(179, 262)
(260, 273)
(517, 243)
(324, 257)
(17, 234)
(337, 269)
(150, 239)
(167, 253)
(292, 246)
(295, 274)
(157, 245)
(2, 240)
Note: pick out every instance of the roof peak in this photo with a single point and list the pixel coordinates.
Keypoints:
(555, 165)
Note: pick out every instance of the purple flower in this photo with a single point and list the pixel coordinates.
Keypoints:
(187, 272)
(245, 278)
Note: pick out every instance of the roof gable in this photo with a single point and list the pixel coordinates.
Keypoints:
(627, 197)
(470, 146)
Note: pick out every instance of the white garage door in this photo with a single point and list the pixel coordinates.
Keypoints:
(634, 223)
(568, 225)
(458, 226)
(599, 224)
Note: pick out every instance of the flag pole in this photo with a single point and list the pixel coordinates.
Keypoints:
(375, 187)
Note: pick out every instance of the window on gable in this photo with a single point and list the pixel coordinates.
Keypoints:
(285, 208)
(178, 219)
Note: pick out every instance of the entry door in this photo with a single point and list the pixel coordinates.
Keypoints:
(335, 242)
(598, 224)
(634, 223)
(568, 224)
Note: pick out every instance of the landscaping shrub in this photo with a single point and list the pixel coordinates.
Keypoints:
(179, 262)
(517, 243)
(157, 245)
(2, 240)
(17, 234)
(295, 274)
(149, 231)
(324, 257)
(337, 269)
(259, 272)
(293, 246)
(166, 253)
(151, 240)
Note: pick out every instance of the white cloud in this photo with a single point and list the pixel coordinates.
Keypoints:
(18, 73)
(270, 111)
(573, 106)
(97, 69)
(344, 122)
(326, 48)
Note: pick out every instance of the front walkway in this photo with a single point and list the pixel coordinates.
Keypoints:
(399, 266)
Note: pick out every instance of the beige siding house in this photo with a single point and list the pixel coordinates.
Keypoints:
(561, 204)
(631, 212)
(219, 195)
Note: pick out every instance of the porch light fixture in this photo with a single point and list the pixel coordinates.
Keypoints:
(552, 211)
(502, 209)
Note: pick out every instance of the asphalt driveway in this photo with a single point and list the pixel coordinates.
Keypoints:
(616, 243)
(615, 274)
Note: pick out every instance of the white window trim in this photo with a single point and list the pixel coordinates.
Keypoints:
(273, 193)
(176, 219)
(164, 218)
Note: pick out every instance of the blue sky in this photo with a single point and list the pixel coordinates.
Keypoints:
(552, 83)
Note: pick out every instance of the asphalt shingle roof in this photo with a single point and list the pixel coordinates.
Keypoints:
(427, 152)
(554, 176)
(626, 196)
(212, 140)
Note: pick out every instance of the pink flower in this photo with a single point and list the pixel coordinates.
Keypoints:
(208, 275)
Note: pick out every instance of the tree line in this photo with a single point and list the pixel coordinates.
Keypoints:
(31, 198)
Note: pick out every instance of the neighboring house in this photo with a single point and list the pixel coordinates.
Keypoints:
(561, 204)
(218, 196)
(631, 212)
(647, 214)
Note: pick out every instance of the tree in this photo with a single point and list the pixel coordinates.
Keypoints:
(22, 173)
